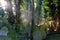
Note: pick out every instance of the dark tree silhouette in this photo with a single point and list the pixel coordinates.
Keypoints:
(10, 13)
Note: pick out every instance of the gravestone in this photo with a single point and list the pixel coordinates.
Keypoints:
(4, 31)
(4, 34)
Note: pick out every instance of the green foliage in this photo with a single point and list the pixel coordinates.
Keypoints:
(41, 6)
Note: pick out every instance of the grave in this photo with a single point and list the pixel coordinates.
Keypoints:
(4, 31)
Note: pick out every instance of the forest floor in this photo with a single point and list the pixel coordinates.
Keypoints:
(53, 37)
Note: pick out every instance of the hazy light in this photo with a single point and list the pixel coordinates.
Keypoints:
(5, 12)
(47, 29)
(23, 16)
(3, 3)
(12, 2)
(35, 5)
(55, 30)
(40, 24)
(14, 13)
(50, 23)
(25, 20)
(57, 24)
(13, 8)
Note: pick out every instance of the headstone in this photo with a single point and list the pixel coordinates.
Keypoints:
(4, 31)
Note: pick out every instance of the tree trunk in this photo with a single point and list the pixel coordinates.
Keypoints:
(32, 11)
(18, 13)
(38, 10)
(10, 13)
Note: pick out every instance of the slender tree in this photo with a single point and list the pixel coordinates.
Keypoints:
(38, 10)
(10, 12)
(17, 8)
(32, 11)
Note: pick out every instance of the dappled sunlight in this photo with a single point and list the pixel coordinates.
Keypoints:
(3, 4)
(55, 30)
(29, 19)
(48, 29)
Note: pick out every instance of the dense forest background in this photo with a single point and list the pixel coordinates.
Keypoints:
(29, 19)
